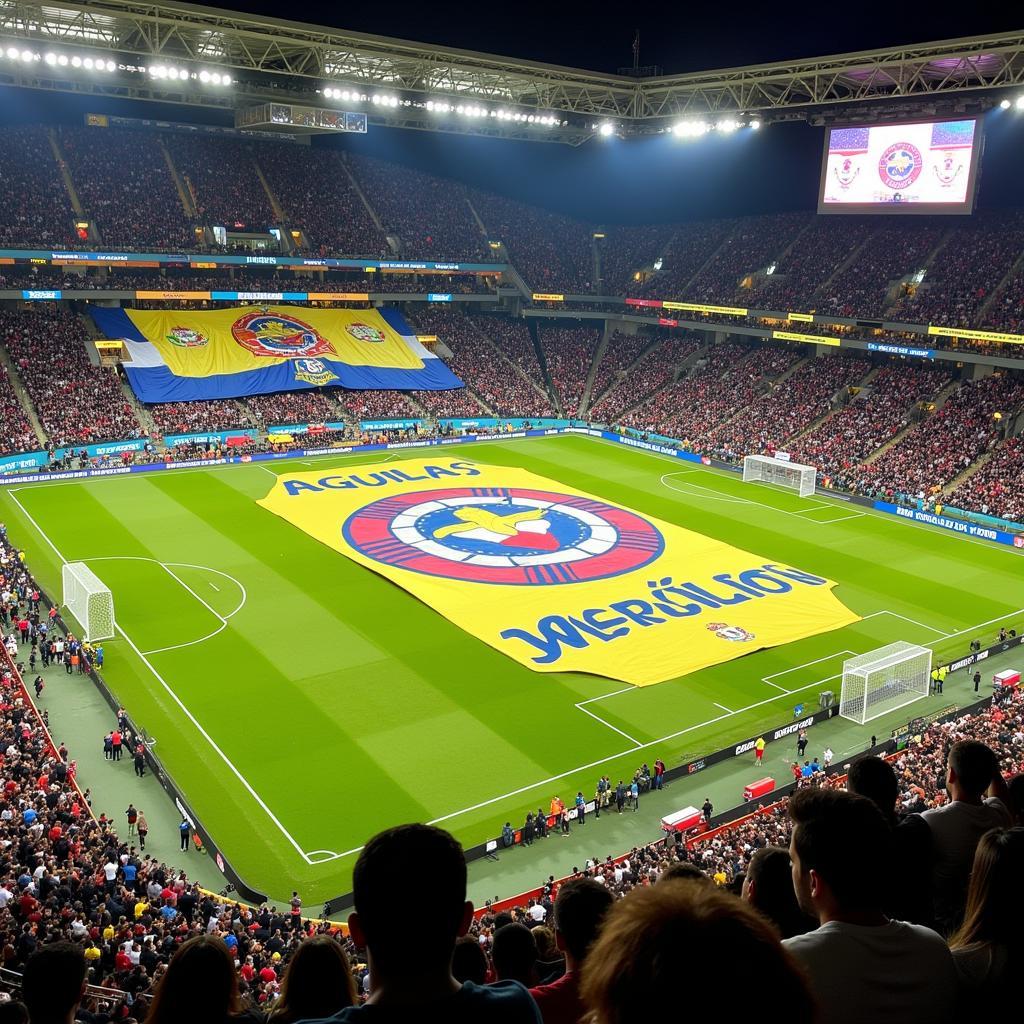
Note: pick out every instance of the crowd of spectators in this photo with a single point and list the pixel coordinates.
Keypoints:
(941, 447)
(197, 417)
(753, 245)
(221, 174)
(16, 433)
(621, 352)
(125, 185)
(898, 247)
(316, 194)
(377, 405)
(76, 402)
(786, 409)
(313, 406)
(870, 419)
(961, 276)
(1006, 313)
(431, 215)
(553, 253)
(997, 488)
(692, 245)
(569, 353)
(511, 338)
(37, 209)
(627, 249)
(725, 381)
(656, 368)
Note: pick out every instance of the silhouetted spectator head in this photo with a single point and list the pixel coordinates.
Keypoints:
(514, 954)
(53, 983)
(971, 768)
(840, 850)
(13, 1012)
(580, 907)
(317, 983)
(683, 870)
(200, 985)
(768, 887)
(874, 778)
(384, 890)
(1015, 787)
(468, 961)
(660, 942)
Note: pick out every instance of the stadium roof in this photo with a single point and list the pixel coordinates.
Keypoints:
(179, 53)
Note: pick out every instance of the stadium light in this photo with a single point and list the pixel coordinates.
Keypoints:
(1004, 105)
(727, 125)
(606, 129)
(690, 129)
(755, 125)
(1020, 102)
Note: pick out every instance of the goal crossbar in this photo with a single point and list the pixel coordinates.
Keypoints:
(769, 470)
(89, 600)
(884, 680)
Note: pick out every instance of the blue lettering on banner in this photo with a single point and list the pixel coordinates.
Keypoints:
(439, 297)
(666, 600)
(38, 294)
(954, 525)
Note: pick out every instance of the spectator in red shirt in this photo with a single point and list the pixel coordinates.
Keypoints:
(579, 909)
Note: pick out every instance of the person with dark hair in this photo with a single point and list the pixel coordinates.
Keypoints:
(53, 983)
(469, 962)
(580, 907)
(988, 946)
(1015, 793)
(685, 871)
(862, 965)
(410, 953)
(514, 954)
(768, 888)
(978, 802)
(659, 944)
(200, 986)
(13, 1012)
(910, 894)
(317, 982)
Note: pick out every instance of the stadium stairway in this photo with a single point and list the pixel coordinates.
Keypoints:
(499, 354)
(374, 216)
(538, 350)
(893, 295)
(838, 403)
(19, 389)
(822, 290)
(680, 371)
(1010, 276)
(602, 347)
(967, 473)
(187, 202)
(279, 213)
(655, 344)
(939, 400)
(65, 174)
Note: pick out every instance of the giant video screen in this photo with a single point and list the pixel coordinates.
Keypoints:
(921, 167)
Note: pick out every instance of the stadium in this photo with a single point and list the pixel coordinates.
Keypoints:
(429, 476)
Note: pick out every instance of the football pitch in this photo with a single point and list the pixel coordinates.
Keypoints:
(304, 702)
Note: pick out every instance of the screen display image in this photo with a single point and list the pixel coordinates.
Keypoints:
(924, 167)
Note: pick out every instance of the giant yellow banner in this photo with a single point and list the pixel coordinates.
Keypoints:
(558, 579)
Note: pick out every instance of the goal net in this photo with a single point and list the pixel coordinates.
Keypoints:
(884, 680)
(767, 470)
(88, 600)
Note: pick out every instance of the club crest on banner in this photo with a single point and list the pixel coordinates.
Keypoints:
(185, 337)
(509, 536)
(726, 632)
(314, 372)
(271, 334)
(364, 332)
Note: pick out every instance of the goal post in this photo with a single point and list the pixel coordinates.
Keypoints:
(884, 680)
(89, 600)
(768, 470)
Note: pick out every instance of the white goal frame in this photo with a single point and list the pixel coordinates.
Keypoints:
(768, 470)
(89, 600)
(884, 680)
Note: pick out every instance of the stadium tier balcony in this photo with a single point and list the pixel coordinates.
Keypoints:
(197, 417)
(295, 407)
(36, 210)
(938, 450)
(512, 340)
(125, 185)
(845, 439)
(317, 195)
(77, 402)
(569, 352)
(789, 408)
(221, 173)
(899, 247)
(965, 271)
(431, 215)
(651, 372)
(997, 488)
(552, 253)
(711, 393)
(16, 433)
(753, 245)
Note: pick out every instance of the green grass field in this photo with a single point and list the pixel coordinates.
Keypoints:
(303, 702)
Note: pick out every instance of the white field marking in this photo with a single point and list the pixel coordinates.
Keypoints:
(796, 668)
(614, 728)
(836, 502)
(897, 615)
(715, 495)
(708, 492)
(722, 706)
(265, 470)
(214, 586)
(177, 700)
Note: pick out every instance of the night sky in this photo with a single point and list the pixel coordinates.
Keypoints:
(634, 181)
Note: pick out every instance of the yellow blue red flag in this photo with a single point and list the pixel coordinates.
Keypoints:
(558, 579)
